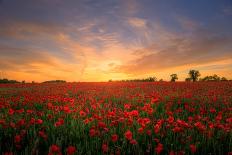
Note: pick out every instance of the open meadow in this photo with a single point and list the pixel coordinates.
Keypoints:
(116, 118)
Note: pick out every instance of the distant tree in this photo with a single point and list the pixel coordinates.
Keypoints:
(8, 81)
(151, 79)
(161, 80)
(216, 77)
(173, 77)
(224, 79)
(188, 79)
(194, 74)
(205, 78)
(110, 80)
(55, 81)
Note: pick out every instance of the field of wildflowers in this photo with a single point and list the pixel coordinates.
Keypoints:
(116, 118)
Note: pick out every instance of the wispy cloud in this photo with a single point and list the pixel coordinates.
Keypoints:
(186, 23)
(130, 7)
(137, 22)
(28, 30)
(203, 46)
(99, 40)
(33, 61)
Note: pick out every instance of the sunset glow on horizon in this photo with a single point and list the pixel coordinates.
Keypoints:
(90, 40)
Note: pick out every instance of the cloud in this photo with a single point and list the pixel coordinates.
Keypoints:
(33, 62)
(137, 22)
(24, 55)
(186, 23)
(71, 52)
(130, 7)
(103, 40)
(28, 30)
(203, 46)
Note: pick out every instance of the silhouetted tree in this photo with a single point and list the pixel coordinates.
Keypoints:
(8, 81)
(216, 78)
(173, 77)
(55, 81)
(194, 74)
(149, 79)
(224, 79)
(161, 80)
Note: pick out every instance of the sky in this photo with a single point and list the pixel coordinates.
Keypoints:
(98, 40)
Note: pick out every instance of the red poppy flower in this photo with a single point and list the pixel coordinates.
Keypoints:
(11, 111)
(39, 121)
(128, 135)
(71, 150)
(54, 148)
(43, 135)
(17, 138)
(133, 141)
(92, 132)
(101, 125)
(140, 130)
(170, 119)
(193, 148)
(105, 148)
(157, 128)
(114, 138)
(82, 113)
(159, 148)
(127, 106)
(149, 132)
(66, 109)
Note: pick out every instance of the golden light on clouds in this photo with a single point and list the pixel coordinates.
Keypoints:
(100, 41)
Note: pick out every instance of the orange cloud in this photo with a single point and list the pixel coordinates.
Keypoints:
(81, 54)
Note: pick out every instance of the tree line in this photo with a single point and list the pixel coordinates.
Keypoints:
(5, 81)
(193, 75)
(149, 79)
(8, 81)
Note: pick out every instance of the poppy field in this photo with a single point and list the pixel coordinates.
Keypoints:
(173, 118)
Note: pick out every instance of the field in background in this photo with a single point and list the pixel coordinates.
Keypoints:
(116, 118)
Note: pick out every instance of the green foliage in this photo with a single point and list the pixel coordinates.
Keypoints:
(8, 81)
(174, 77)
(179, 115)
(224, 79)
(149, 79)
(213, 78)
(194, 75)
(55, 81)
